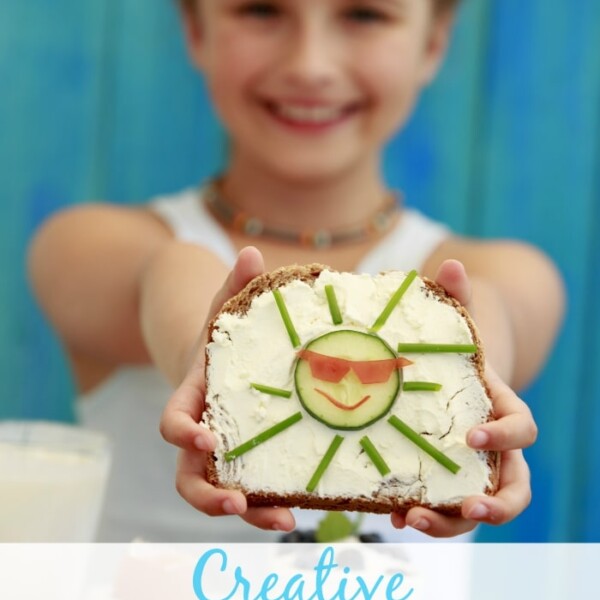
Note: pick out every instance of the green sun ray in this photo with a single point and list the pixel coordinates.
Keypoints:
(374, 455)
(437, 348)
(420, 441)
(272, 391)
(394, 300)
(421, 386)
(334, 308)
(262, 437)
(322, 467)
(287, 321)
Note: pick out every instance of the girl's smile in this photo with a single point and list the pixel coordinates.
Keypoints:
(311, 116)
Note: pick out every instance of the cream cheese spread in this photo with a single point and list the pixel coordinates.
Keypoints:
(256, 348)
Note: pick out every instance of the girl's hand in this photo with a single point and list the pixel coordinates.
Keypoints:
(513, 430)
(180, 423)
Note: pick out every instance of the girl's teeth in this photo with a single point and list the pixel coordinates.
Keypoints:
(309, 114)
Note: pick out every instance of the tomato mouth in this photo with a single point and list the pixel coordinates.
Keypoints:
(339, 404)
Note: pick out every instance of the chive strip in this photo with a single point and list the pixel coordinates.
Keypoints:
(327, 458)
(334, 307)
(287, 321)
(420, 441)
(374, 455)
(387, 311)
(262, 437)
(421, 386)
(273, 391)
(438, 348)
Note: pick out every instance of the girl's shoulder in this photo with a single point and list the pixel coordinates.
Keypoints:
(74, 222)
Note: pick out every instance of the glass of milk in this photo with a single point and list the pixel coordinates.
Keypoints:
(52, 481)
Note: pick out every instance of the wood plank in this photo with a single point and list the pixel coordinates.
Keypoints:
(48, 66)
(544, 77)
(584, 514)
(163, 134)
(434, 159)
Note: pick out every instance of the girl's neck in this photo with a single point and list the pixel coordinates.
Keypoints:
(331, 203)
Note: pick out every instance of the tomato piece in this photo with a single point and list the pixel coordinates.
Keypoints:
(333, 369)
(325, 368)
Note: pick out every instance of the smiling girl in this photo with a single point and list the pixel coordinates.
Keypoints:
(309, 92)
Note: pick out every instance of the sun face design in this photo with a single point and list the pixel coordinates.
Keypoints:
(350, 392)
(350, 380)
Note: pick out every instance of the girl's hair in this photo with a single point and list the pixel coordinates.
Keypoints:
(440, 5)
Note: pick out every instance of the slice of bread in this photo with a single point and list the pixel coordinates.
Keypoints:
(317, 401)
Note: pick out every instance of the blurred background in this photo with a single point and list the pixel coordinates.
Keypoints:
(98, 101)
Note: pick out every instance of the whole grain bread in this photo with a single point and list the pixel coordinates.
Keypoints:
(239, 306)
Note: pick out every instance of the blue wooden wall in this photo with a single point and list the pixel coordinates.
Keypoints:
(97, 101)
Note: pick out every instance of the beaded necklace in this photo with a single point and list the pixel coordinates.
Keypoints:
(236, 219)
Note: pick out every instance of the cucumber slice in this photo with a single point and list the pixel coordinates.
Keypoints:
(330, 373)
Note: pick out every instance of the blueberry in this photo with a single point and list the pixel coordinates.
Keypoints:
(293, 537)
(298, 536)
(370, 538)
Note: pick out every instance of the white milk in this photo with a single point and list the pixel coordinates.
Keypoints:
(52, 482)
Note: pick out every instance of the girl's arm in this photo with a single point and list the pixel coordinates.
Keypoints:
(84, 265)
(119, 289)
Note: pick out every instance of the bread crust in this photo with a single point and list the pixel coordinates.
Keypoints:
(240, 304)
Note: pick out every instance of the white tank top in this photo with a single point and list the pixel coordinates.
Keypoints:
(141, 499)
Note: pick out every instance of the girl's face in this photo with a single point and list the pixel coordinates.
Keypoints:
(310, 88)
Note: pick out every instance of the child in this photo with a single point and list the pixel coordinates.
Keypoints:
(309, 91)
